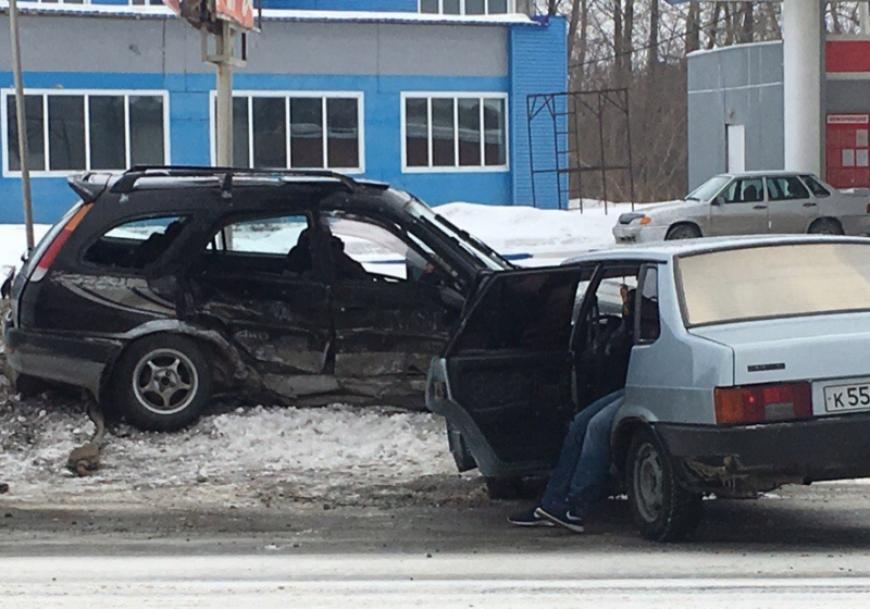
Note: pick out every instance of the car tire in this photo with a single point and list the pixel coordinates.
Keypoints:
(661, 508)
(682, 231)
(826, 226)
(162, 383)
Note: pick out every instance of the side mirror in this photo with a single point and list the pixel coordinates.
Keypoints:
(720, 200)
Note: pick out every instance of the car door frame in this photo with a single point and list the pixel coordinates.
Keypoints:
(474, 437)
(406, 344)
(264, 331)
(733, 220)
(794, 220)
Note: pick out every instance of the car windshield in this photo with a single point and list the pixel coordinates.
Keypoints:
(470, 244)
(708, 189)
(765, 282)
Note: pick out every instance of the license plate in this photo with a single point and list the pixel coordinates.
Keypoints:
(839, 398)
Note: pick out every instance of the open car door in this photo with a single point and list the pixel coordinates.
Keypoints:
(505, 378)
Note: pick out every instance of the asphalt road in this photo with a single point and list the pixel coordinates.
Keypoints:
(803, 547)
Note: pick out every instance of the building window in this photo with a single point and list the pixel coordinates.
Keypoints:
(144, 2)
(297, 130)
(454, 132)
(77, 131)
(467, 7)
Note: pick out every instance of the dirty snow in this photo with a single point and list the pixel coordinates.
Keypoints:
(247, 456)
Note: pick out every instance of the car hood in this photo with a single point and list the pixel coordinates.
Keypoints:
(798, 348)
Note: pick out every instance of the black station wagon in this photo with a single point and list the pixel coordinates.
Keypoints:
(167, 285)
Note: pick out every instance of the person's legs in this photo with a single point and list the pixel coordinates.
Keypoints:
(555, 498)
(589, 481)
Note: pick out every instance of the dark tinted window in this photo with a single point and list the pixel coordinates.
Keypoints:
(417, 132)
(270, 136)
(35, 132)
(146, 130)
(106, 130)
(342, 120)
(306, 132)
(66, 131)
(529, 311)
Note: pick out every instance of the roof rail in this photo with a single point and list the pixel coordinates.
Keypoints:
(127, 181)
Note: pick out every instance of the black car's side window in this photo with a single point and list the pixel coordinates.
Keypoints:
(275, 244)
(361, 249)
(136, 244)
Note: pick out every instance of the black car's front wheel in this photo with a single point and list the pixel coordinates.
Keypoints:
(162, 383)
(662, 509)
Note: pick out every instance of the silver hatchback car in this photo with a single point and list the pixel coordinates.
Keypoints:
(752, 203)
(744, 362)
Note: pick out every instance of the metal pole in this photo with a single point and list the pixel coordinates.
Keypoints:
(21, 124)
(224, 118)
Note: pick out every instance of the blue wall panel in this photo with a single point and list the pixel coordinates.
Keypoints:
(190, 143)
(538, 65)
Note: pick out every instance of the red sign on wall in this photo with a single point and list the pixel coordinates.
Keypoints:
(847, 150)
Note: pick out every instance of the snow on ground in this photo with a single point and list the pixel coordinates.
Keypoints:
(13, 243)
(247, 456)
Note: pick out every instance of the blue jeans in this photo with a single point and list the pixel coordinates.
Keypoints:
(580, 477)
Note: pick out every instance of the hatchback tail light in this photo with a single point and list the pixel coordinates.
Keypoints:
(763, 403)
(47, 259)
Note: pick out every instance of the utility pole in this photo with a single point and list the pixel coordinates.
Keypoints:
(223, 60)
(21, 123)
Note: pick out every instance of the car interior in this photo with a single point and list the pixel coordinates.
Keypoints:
(137, 244)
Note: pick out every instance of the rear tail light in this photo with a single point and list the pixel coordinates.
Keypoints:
(763, 403)
(53, 249)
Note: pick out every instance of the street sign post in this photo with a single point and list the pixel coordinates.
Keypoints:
(221, 20)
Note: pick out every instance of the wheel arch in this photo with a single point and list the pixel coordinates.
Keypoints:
(620, 440)
(822, 219)
(230, 365)
(679, 223)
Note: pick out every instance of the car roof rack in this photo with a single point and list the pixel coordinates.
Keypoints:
(127, 182)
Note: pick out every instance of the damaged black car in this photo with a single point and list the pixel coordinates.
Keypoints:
(166, 286)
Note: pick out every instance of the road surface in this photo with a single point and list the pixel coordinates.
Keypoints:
(803, 547)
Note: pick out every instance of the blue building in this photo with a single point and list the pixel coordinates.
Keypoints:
(427, 94)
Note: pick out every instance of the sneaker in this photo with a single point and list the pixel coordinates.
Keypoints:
(529, 518)
(562, 518)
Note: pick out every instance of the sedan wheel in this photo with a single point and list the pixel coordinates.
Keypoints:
(162, 383)
(826, 226)
(662, 509)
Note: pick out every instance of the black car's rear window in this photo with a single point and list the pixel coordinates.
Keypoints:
(136, 244)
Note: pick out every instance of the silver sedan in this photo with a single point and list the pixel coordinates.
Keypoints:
(751, 203)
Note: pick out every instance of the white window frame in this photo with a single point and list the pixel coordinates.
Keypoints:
(511, 8)
(359, 96)
(86, 94)
(456, 167)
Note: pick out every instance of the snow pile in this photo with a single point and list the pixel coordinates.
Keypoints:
(248, 456)
(548, 235)
(13, 244)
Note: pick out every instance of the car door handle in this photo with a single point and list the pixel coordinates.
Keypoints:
(760, 207)
(810, 204)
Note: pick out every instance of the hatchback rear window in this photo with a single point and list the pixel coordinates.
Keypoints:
(136, 244)
(774, 281)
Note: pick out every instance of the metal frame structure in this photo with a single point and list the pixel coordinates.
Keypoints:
(565, 110)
